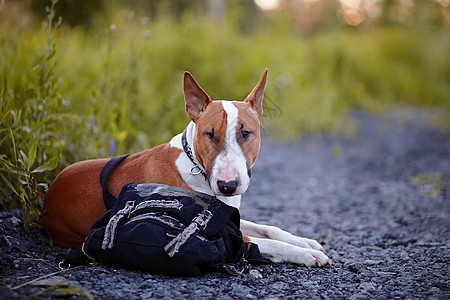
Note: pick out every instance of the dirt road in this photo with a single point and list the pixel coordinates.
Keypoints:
(379, 203)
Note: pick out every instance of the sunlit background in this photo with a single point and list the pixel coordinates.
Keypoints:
(359, 12)
(309, 15)
(94, 78)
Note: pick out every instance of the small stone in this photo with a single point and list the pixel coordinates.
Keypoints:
(434, 290)
(357, 296)
(255, 273)
(353, 268)
(7, 241)
(367, 286)
(15, 221)
(280, 286)
(372, 262)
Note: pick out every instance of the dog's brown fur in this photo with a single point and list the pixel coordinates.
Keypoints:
(79, 186)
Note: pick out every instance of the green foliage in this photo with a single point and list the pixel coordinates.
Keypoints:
(116, 88)
(29, 124)
(429, 184)
(62, 287)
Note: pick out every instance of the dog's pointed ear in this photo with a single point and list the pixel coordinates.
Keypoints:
(255, 98)
(195, 97)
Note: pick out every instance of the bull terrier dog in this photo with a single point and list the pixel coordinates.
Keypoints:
(214, 155)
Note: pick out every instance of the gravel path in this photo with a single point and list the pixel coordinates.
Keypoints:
(379, 204)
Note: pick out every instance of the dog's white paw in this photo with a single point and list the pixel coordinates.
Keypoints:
(278, 251)
(306, 243)
(312, 258)
(307, 257)
(275, 233)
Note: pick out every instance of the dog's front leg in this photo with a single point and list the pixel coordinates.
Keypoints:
(279, 245)
(278, 251)
(275, 233)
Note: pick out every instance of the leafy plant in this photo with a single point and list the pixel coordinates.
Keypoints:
(63, 287)
(28, 141)
(428, 184)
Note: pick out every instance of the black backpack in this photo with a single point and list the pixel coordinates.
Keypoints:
(163, 229)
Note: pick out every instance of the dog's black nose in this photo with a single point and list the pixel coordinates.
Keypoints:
(227, 188)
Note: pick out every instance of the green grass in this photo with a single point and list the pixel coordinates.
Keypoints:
(74, 94)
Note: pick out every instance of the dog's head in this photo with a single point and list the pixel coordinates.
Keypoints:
(227, 137)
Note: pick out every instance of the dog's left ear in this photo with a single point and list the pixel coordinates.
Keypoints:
(255, 98)
(195, 97)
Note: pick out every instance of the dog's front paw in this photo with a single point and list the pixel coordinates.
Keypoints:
(307, 243)
(275, 233)
(310, 258)
(278, 251)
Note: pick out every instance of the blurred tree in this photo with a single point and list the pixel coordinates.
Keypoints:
(386, 12)
(310, 16)
(416, 13)
(82, 12)
(74, 12)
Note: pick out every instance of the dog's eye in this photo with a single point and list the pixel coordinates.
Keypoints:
(210, 134)
(245, 134)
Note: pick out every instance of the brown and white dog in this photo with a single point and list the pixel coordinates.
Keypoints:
(224, 137)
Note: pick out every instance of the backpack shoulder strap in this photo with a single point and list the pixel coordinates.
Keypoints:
(108, 198)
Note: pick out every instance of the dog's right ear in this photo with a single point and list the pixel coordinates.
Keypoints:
(195, 97)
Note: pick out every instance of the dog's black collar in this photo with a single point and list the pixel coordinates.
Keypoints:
(196, 169)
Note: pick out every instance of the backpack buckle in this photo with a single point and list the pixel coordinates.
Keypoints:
(198, 224)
